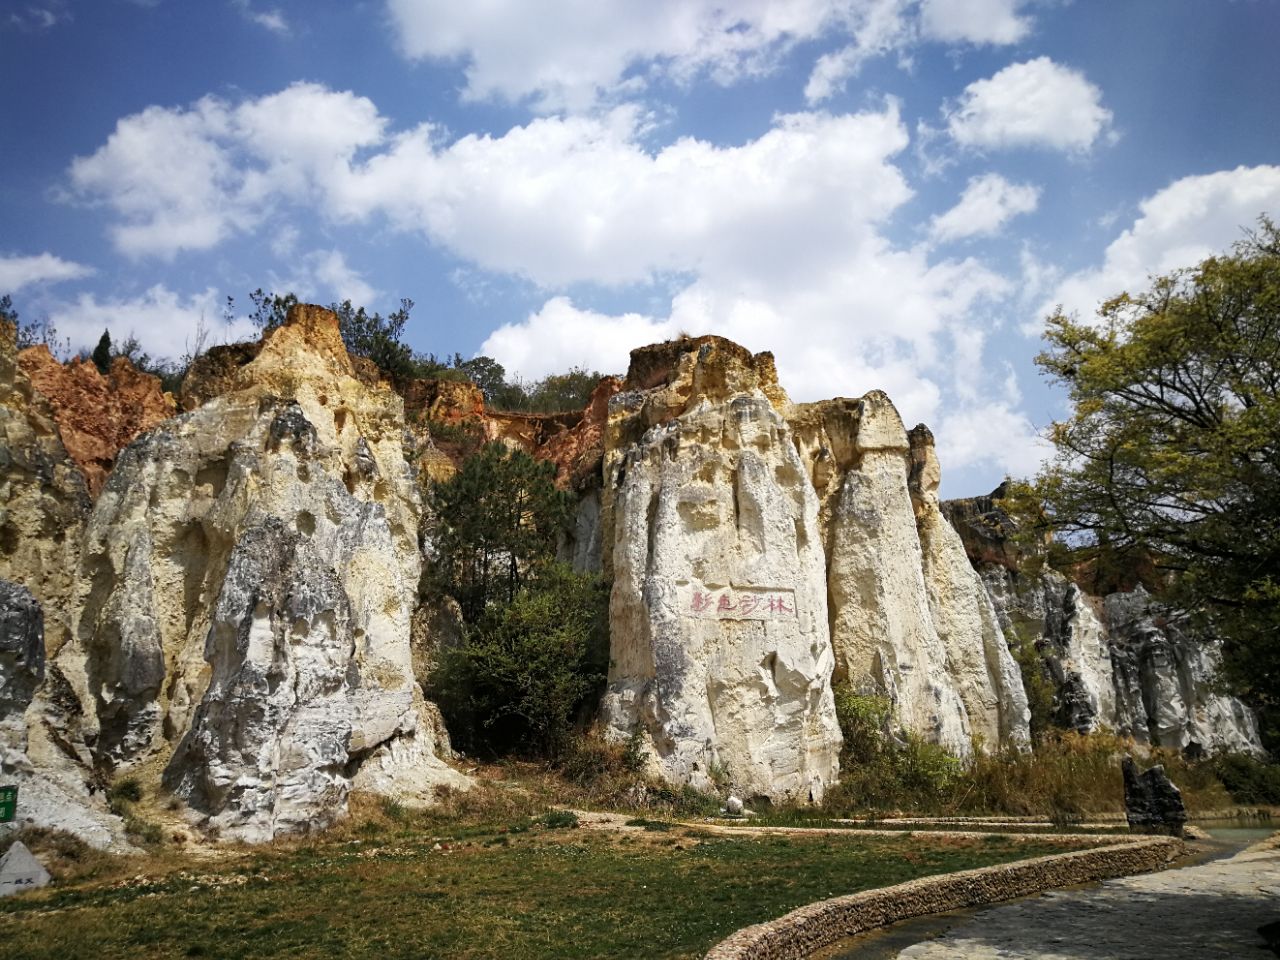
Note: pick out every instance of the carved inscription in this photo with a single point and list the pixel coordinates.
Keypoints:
(737, 603)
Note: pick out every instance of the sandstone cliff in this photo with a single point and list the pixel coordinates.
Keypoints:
(720, 646)
(96, 415)
(759, 548)
(1121, 662)
(244, 585)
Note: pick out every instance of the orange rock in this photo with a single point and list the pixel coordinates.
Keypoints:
(578, 451)
(96, 415)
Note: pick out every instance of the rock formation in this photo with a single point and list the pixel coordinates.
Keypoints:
(724, 505)
(1122, 662)
(243, 590)
(720, 645)
(224, 603)
(96, 414)
(1152, 804)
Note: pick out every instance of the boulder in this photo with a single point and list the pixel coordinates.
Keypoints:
(1152, 804)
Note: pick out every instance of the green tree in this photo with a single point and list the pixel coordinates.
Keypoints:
(559, 392)
(528, 667)
(495, 523)
(1172, 448)
(269, 309)
(102, 353)
(378, 338)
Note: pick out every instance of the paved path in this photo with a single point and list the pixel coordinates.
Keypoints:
(1195, 913)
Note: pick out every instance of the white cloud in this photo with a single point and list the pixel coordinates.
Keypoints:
(568, 54)
(17, 272)
(165, 323)
(1034, 104)
(876, 28)
(1177, 227)
(273, 19)
(987, 204)
(188, 179)
(775, 242)
(332, 274)
(37, 17)
(975, 21)
(559, 336)
(990, 433)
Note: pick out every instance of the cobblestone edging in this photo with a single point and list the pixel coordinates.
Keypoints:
(801, 932)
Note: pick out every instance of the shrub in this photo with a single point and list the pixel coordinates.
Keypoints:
(524, 671)
(1248, 779)
(559, 820)
(122, 793)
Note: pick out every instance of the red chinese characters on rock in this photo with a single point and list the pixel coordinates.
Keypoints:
(742, 604)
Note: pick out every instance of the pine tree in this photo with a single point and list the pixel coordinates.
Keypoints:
(102, 353)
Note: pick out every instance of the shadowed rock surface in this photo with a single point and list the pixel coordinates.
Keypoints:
(1152, 804)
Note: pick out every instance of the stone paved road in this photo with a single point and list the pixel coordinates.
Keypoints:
(1195, 913)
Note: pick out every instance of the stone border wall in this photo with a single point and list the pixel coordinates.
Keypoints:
(802, 932)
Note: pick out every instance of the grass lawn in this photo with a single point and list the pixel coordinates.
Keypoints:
(518, 891)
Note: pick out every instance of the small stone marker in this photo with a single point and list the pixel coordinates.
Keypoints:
(8, 804)
(21, 871)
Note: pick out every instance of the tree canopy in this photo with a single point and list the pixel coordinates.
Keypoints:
(536, 633)
(495, 523)
(1172, 447)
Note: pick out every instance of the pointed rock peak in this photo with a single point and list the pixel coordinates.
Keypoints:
(926, 473)
(21, 871)
(879, 425)
(309, 335)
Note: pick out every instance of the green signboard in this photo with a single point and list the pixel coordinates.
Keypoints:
(8, 803)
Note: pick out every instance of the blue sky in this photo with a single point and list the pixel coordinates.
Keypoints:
(887, 194)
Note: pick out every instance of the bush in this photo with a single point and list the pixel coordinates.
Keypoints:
(122, 793)
(1248, 779)
(524, 671)
(559, 820)
(880, 769)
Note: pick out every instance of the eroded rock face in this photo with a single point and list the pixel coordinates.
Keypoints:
(21, 658)
(267, 749)
(1164, 680)
(909, 619)
(96, 415)
(247, 578)
(978, 659)
(721, 654)
(1152, 804)
(720, 496)
(1121, 662)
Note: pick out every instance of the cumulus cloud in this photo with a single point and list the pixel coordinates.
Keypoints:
(188, 179)
(325, 276)
(17, 272)
(777, 242)
(875, 28)
(975, 21)
(1034, 104)
(563, 54)
(987, 204)
(1177, 227)
(991, 433)
(166, 323)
